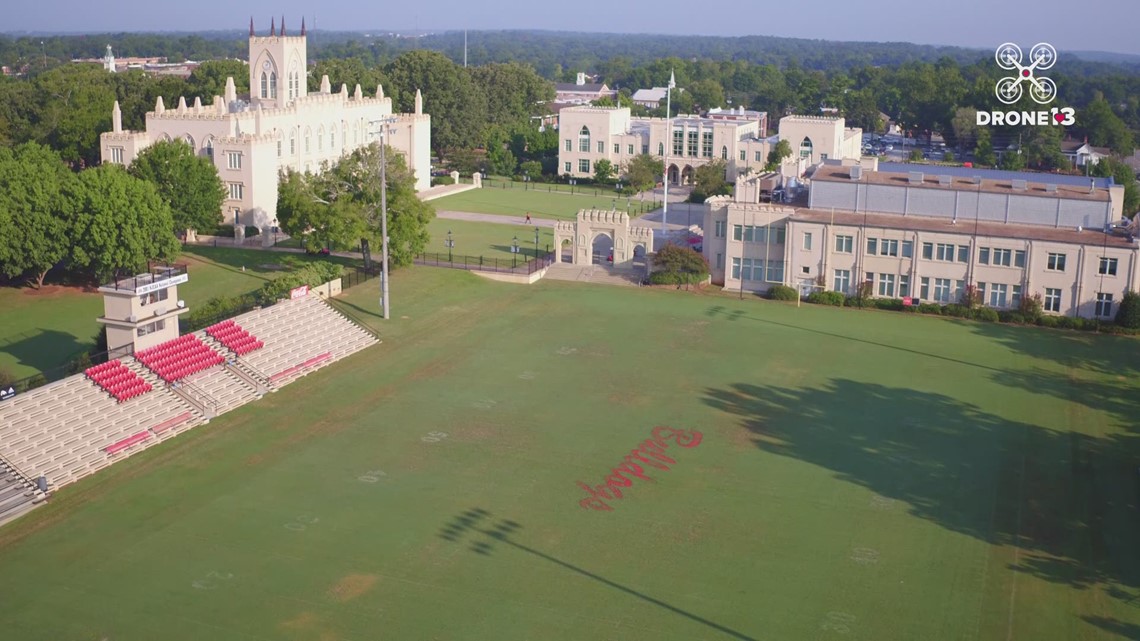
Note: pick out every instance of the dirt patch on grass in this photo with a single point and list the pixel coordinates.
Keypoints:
(352, 586)
(303, 621)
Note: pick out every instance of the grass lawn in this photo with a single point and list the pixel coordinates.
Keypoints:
(539, 202)
(43, 330)
(489, 240)
(859, 475)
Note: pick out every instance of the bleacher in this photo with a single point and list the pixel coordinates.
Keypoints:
(71, 428)
(234, 337)
(17, 493)
(118, 379)
(179, 358)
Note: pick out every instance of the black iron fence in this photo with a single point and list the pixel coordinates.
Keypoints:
(484, 264)
(354, 276)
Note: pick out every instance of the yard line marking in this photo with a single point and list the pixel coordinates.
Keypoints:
(1017, 541)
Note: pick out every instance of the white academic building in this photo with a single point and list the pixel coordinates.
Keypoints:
(281, 125)
(926, 233)
(685, 142)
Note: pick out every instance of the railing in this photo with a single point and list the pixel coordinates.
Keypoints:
(198, 396)
(75, 366)
(480, 263)
(27, 478)
(155, 274)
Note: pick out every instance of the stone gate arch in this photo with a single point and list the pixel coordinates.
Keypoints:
(627, 239)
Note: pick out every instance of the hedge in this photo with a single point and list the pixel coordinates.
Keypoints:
(782, 292)
(835, 299)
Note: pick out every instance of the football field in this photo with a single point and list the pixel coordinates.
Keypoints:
(566, 462)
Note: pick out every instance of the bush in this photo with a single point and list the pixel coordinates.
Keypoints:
(441, 180)
(889, 304)
(669, 278)
(955, 310)
(986, 314)
(1016, 318)
(948, 157)
(826, 298)
(36, 381)
(1128, 314)
(6, 378)
(1048, 321)
(782, 292)
(678, 266)
(313, 274)
(215, 310)
(930, 308)
(1030, 307)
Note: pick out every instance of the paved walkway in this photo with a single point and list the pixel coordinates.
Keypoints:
(475, 217)
(439, 191)
(593, 274)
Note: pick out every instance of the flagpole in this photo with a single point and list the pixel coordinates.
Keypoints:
(668, 143)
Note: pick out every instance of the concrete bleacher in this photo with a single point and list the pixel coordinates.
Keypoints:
(72, 428)
(300, 336)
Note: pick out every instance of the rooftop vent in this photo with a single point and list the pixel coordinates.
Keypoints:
(1017, 184)
(915, 177)
(856, 172)
(1051, 188)
(944, 181)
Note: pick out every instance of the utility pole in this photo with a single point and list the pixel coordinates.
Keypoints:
(385, 301)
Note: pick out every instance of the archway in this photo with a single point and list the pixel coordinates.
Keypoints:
(566, 253)
(687, 175)
(674, 175)
(640, 259)
(602, 248)
(601, 237)
(806, 148)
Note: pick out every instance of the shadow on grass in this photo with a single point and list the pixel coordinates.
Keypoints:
(43, 350)
(1119, 628)
(1064, 503)
(475, 526)
(1104, 354)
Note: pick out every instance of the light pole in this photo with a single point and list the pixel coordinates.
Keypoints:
(385, 301)
(515, 251)
(536, 243)
(526, 181)
(668, 143)
(572, 182)
(450, 243)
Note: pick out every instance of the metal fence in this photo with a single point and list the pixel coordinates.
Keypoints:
(481, 263)
(354, 276)
(75, 366)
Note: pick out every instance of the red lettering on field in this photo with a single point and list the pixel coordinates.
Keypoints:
(651, 452)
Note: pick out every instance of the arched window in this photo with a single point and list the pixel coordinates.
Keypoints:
(724, 153)
(264, 85)
(273, 85)
(661, 149)
(308, 135)
(208, 148)
(806, 148)
(584, 139)
(321, 139)
(292, 143)
(332, 138)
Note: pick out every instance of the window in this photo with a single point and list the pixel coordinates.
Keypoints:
(942, 290)
(292, 144)
(264, 85)
(1019, 258)
(720, 224)
(748, 269)
(569, 145)
(872, 246)
(233, 159)
(908, 248)
(273, 85)
(236, 191)
(963, 253)
(889, 248)
(736, 268)
(1107, 268)
(117, 155)
(566, 166)
(805, 270)
(736, 232)
(706, 144)
(644, 149)
(959, 289)
(209, 149)
(1015, 296)
(997, 295)
(691, 147)
(807, 240)
(945, 252)
(601, 146)
(984, 256)
(869, 279)
(629, 149)
(307, 141)
(1002, 257)
(1103, 304)
(743, 155)
(843, 244)
(151, 328)
(724, 153)
(617, 147)
(928, 251)
(758, 157)
(720, 261)
(776, 271)
(584, 166)
(842, 280)
(805, 148)
(887, 285)
(678, 142)
(749, 233)
(1056, 264)
(904, 285)
(1052, 299)
(660, 149)
(924, 288)
(584, 139)
(332, 138)
(981, 291)
(154, 297)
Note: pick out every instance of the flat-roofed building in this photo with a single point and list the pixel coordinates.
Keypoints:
(929, 237)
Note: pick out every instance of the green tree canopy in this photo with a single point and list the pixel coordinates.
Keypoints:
(513, 92)
(209, 79)
(603, 171)
(644, 171)
(776, 156)
(188, 183)
(350, 72)
(35, 208)
(458, 108)
(1104, 128)
(1122, 174)
(674, 264)
(709, 180)
(120, 223)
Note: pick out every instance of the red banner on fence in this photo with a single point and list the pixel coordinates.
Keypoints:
(299, 292)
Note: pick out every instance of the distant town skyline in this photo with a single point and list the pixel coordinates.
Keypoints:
(1102, 25)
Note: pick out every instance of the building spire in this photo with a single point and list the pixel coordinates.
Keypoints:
(302, 25)
(273, 26)
(282, 24)
(251, 26)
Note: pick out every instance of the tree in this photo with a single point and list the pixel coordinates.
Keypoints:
(1104, 128)
(1012, 160)
(499, 155)
(531, 168)
(603, 171)
(964, 125)
(209, 79)
(778, 154)
(706, 94)
(120, 223)
(1128, 314)
(984, 151)
(1122, 175)
(708, 180)
(349, 72)
(458, 108)
(1043, 149)
(35, 207)
(343, 204)
(188, 183)
(644, 171)
(677, 265)
(512, 91)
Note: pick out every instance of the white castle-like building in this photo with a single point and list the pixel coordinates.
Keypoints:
(280, 126)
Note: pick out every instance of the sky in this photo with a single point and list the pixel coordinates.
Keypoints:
(1098, 25)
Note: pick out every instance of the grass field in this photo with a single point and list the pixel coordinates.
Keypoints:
(489, 240)
(540, 203)
(41, 330)
(860, 475)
